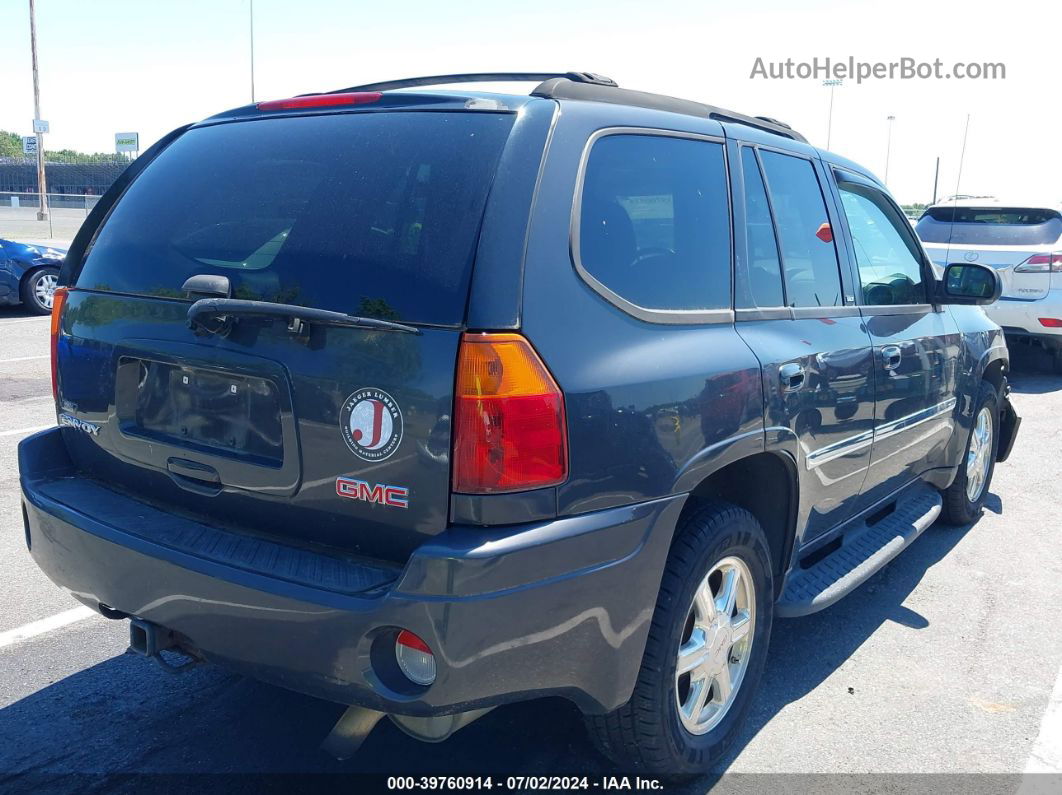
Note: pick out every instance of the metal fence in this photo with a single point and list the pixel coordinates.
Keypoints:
(56, 201)
(19, 175)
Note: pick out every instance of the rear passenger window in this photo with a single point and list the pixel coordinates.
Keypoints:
(654, 222)
(808, 253)
(764, 268)
(890, 266)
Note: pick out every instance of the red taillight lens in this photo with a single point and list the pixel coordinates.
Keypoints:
(415, 658)
(1051, 322)
(1041, 263)
(321, 100)
(58, 302)
(509, 428)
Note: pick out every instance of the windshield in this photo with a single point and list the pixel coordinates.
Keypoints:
(374, 214)
(990, 226)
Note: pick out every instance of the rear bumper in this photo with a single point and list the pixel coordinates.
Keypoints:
(554, 608)
(1022, 318)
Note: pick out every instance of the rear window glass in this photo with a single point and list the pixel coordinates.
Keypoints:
(654, 223)
(374, 214)
(992, 226)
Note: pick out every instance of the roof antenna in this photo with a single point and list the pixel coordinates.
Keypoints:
(955, 198)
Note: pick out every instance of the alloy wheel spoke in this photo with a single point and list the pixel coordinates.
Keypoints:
(740, 626)
(692, 653)
(728, 589)
(705, 606)
(691, 709)
(723, 686)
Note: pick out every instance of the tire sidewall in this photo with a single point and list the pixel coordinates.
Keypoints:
(743, 539)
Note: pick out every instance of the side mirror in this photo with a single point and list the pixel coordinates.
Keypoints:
(969, 284)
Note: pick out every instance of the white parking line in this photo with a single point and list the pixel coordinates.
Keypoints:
(34, 628)
(1046, 756)
(24, 359)
(24, 431)
(24, 320)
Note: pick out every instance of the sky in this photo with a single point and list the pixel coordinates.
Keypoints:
(110, 66)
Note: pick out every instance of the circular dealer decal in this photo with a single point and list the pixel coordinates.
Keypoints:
(371, 423)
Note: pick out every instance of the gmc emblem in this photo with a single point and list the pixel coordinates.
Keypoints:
(392, 496)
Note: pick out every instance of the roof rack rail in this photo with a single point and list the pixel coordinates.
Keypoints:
(563, 88)
(591, 87)
(482, 77)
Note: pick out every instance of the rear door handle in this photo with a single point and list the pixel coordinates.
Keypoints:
(193, 476)
(890, 357)
(791, 376)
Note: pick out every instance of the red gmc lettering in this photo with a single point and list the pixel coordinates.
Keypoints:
(392, 496)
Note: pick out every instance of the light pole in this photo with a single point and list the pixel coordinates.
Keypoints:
(252, 49)
(936, 179)
(42, 178)
(832, 84)
(888, 147)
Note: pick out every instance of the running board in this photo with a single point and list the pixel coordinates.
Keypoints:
(862, 553)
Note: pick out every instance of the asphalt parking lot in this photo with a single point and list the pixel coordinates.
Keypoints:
(946, 662)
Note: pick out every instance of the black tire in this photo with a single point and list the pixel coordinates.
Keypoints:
(958, 508)
(1056, 360)
(29, 290)
(646, 734)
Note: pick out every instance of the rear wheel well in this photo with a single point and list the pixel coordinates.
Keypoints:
(763, 484)
(994, 373)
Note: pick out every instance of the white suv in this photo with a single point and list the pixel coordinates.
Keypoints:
(1023, 242)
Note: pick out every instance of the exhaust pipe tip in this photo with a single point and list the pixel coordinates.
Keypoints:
(436, 728)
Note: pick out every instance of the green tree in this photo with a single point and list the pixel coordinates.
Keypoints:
(10, 144)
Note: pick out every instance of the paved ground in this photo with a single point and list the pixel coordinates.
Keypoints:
(21, 224)
(943, 663)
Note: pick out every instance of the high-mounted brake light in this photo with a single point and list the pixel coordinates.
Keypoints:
(1042, 263)
(58, 302)
(509, 427)
(322, 100)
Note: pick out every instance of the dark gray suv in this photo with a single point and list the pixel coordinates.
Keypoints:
(427, 401)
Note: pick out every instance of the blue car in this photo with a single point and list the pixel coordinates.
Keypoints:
(28, 275)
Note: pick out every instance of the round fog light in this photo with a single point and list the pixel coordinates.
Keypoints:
(414, 658)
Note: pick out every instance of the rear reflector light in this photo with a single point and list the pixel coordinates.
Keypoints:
(509, 427)
(322, 100)
(58, 302)
(1051, 322)
(1042, 263)
(414, 658)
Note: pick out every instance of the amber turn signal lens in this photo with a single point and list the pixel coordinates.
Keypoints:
(58, 302)
(509, 428)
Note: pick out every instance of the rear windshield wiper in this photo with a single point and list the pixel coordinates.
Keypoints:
(216, 315)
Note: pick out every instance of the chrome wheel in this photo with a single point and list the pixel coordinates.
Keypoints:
(44, 289)
(979, 456)
(714, 651)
